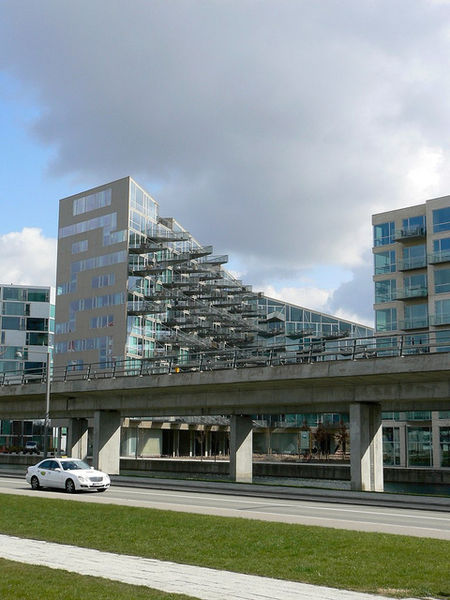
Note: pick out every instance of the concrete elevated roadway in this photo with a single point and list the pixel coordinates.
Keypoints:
(364, 388)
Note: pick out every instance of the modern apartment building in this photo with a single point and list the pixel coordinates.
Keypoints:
(26, 331)
(411, 248)
(134, 285)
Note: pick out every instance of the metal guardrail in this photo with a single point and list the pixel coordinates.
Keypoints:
(308, 352)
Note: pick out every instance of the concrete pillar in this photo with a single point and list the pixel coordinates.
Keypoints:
(241, 448)
(176, 442)
(191, 443)
(366, 447)
(106, 454)
(435, 439)
(77, 438)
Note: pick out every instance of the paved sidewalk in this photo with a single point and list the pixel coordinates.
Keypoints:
(199, 582)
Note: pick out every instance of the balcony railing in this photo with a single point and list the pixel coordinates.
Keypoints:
(414, 323)
(439, 257)
(410, 233)
(440, 319)
(417, 262)
(411, 292)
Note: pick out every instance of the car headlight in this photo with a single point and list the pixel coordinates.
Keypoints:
(81, 479)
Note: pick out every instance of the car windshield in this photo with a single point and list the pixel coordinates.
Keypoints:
(73, 465)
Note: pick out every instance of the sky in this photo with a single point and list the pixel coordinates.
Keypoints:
(271, 129)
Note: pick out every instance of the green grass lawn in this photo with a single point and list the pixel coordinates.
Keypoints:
(28, 582)
(379, 563)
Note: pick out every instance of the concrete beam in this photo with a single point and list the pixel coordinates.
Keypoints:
(77, 438)
(241, 448)
(106, 452)
(366, 447)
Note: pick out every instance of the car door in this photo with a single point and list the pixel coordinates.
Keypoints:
(57, 474)
(46, 473)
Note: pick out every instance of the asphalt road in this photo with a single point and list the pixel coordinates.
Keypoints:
(394, 520)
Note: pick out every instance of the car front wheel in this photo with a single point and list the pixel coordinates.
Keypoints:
(70, 487)
(35, 483)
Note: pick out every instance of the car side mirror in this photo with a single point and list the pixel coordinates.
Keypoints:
(57, 469)
(92, 468)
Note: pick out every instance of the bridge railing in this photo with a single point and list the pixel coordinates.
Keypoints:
(302, 352)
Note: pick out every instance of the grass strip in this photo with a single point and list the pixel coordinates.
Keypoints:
(30, 582)
(394, 565)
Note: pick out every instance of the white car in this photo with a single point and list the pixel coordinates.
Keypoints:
(70, 474)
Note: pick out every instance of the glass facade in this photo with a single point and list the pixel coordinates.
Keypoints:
(26, 329)
(383, 234)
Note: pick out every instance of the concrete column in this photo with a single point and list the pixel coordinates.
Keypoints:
(191, 443)
(435, 439)
(77, 438)
(106, 455)
(241, 448)
(366, 447)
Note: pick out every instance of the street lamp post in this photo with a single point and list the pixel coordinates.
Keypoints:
(47, 405)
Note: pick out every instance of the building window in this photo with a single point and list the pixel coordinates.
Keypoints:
(413, 226)
(103, 280)
(383, 234)
(414, 257)
(108, 222)
(444, 439)
(416, 316)
(391, 446)
(102, 321)
(442, 341)
(441, 250)
(386, 319)
(10, 293)
(19, 309)
(442, 281)
(442, 312)
(385, 291)
(99, 261)
(92, 202)
(11, 323)
(38, 295)
(384, 262)
(78, 247)
(420, 449)
(441, 219)
(415, 286)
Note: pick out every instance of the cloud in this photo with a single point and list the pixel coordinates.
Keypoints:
(353, 300)
(27, 258)
(271, 129)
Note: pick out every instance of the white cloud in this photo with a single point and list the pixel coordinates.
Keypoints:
(308, 297)
(273, 129)
(27, 258)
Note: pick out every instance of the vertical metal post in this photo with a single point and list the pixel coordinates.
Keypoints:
(47, 406)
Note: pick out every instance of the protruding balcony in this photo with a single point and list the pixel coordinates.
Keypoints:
(417, 262)
(411, 293)
(215, 260)
(299, 334)
(439, 257)
(200, 251)
(158, 234)
(137, 308)
(414, 232)
(272, 332)
(440, 319)
(414, 323)
(145, 248)
(145, 270)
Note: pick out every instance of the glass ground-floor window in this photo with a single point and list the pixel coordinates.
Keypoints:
(420, 448)
(391, 446)
(444, 439)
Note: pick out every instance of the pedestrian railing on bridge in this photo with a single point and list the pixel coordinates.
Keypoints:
(302, 352)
